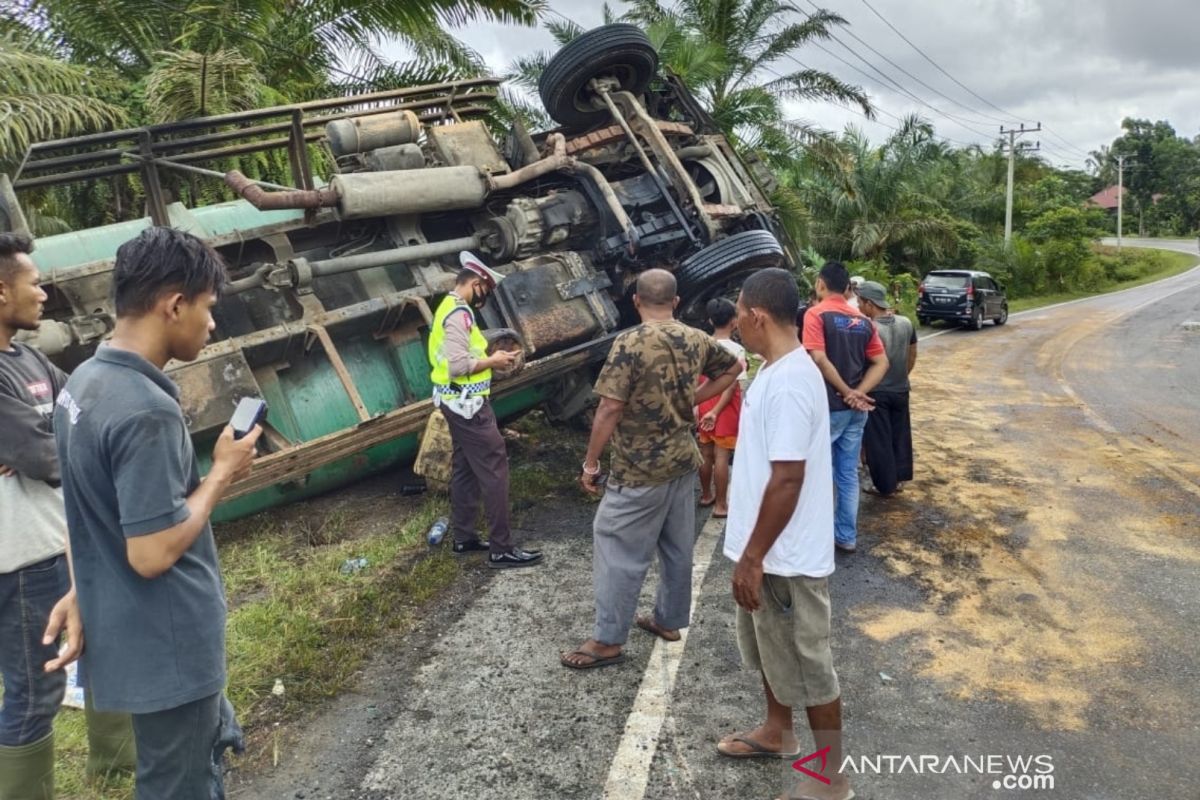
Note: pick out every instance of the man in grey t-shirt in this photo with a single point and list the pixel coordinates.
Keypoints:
(35, 586)
(887, 439)
(146, 570)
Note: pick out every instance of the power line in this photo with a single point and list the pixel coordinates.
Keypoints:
(944, 96)
(899, 88)
(963, 86)
(859, 111)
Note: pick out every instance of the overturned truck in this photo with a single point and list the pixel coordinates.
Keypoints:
(332, 282)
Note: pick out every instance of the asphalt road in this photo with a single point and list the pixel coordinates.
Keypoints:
(1033, 593)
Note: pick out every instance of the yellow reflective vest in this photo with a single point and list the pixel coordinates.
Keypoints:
(477, 384)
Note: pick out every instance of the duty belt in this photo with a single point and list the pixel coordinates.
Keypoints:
(461, 389)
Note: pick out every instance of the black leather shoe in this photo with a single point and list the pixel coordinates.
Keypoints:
(472, 546)
(514, 558)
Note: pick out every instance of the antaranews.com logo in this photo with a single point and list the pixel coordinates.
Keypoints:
(1008, 772)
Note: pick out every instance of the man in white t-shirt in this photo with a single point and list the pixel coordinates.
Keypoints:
(779, 533)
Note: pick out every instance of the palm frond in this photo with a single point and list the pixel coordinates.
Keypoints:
(189, 84)
(42, 98)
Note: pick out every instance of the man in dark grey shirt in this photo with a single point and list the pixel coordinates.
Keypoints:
(887, 439)
(146, 569)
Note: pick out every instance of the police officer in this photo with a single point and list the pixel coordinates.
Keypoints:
(462, 383)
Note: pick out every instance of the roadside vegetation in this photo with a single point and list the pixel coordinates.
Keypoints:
(306, 613)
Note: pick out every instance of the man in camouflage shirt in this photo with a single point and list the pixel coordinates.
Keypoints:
(647, 392)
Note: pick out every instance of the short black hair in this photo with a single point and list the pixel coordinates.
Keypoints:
(774, 291)
(160, 260)
(836, 276)
(720, 311)
(11, 245)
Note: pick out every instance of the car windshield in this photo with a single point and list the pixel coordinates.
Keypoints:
(945, 281)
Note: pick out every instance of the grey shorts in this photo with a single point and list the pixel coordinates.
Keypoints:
(787, 640)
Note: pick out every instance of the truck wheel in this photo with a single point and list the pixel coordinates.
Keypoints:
(719, 268)
(620, 51)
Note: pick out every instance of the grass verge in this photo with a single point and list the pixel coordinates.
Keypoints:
(296, 617)
(1176, 263)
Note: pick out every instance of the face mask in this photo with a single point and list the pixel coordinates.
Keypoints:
(478, 299)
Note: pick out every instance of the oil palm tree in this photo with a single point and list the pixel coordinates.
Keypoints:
(738, 56)
(301, 49)
(44, 98)
(872, 203)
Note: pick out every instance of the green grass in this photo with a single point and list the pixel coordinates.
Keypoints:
(1176, 264)
(297, 618)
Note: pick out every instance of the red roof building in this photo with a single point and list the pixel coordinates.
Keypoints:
(1107, 198)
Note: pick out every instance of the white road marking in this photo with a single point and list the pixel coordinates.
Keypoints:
(629, 774)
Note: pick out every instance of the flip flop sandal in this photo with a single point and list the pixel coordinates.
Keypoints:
(650, 626)
(715, 515)
(706, 503)
(597, 660)
(756, 750)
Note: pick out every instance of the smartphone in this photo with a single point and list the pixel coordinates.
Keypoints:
(250, 411)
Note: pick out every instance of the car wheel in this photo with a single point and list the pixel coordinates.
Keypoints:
(619, 51)
(719, 268)
(977, 319)
(1003, 318)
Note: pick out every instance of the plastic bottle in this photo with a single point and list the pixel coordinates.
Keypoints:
(438, 531)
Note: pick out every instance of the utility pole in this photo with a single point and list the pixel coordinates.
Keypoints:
(1120, 196)
(1013, 133)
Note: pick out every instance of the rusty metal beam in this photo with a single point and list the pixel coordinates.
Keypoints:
(203, 155)
(154, 192)
(266, 113)
(174, 145)
(339, 366)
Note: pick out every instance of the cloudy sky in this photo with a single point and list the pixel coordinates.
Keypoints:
(1077, 66)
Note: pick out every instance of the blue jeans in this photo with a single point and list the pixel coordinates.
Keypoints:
(846, 433)
(31, 696)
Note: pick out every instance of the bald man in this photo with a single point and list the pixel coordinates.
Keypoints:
(647, 391)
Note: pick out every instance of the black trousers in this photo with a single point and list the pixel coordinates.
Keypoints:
(887, 441)
(479, 473)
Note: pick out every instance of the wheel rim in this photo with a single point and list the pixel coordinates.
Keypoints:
(587, 101)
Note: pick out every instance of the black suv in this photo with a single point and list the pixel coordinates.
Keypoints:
(963, 296)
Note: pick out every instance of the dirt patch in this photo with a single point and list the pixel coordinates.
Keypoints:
(981, 535)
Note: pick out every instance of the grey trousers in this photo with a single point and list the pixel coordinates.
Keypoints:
(631, 524)
(480, 473)
(175, 751)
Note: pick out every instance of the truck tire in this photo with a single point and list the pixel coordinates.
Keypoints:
(717, 268)
(621, 51)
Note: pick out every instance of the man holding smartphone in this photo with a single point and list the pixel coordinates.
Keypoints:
(146, 571)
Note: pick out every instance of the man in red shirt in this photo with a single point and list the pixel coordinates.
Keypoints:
(846, 348)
